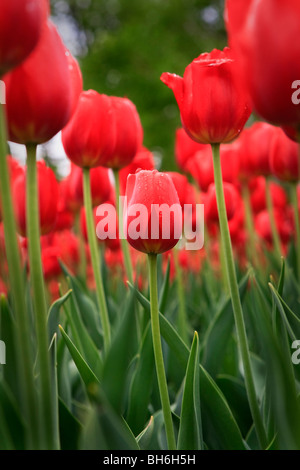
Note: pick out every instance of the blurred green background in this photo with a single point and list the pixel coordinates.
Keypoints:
(123, 47)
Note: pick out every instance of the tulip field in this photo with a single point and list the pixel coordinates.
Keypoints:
(141, 308)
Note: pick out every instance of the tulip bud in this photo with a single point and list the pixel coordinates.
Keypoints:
(284, 157)
(48, 192)
(153, 216)
(232, 198)
(104, 131)
(21, 23)
(143, 160)
(213, 103)
(262, 34)
(39, 93)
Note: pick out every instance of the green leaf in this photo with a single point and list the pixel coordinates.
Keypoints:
(144, 438)
(104, 429)
(115, 366)
(12, 424)
(290, 320)
(81, 337)
(190, 429)
(141, 385)
(219, 332)
(281, 385)
(84, 370)
(219, 426)
(69, 428)
(53, 315)
(165, 288)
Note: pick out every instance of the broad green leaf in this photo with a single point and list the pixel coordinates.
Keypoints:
(115, 366)
(12, 424)
(104, 428)
(54, 311)
(282, 391)
(235, 392)
(218, 333)
(145, 436)
(290, 320)
(190, 429)
(54, 395)
(84, 370)
(141, 385)
(217, 418)
(69, 428)
(81, 337)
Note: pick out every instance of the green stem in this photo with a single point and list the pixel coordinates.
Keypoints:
(17, 288)
(182, 317)
(270, 208)
(124, 244)
(294, 199)
(235, 299)
(251, 247)
(96, 261)
(158, 355)
(49, 431)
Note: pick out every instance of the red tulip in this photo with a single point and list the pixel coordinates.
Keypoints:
(201, 165)
(181, 184)
(257, 187)
(283, 223)
(21, 23)
(104, 131)
(39, 93)
(263, 35)
(185, 149)
(284, 157)
(212, 100)
(254, 146)
(143, 160)
(60, 246)
(48, 192)
(232, 199)
(100, 185)
(146, 229)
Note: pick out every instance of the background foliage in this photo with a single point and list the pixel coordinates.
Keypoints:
(123, 47)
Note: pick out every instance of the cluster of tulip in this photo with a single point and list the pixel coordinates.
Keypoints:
(246, 176)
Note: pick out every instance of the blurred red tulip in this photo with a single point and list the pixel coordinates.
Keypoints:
(212, 99)
(48, 192)
(104, 131)
(100, 185)
(232, 200)
(39, 93)
(284, 157)
(283, 223)
(257, 187)
(21, 23)
(143, 160)
(200, 166)
(254, 145)
(262, 33)
(150, 232)
(185, 149)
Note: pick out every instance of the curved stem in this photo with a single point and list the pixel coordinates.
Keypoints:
(96, 261)
(158, 355)
(235, 299)
(124, 244)
(49, 429)
(17, 288)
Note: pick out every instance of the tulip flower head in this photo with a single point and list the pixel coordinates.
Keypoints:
(213, 103)
(104, 131)
(153, 217)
